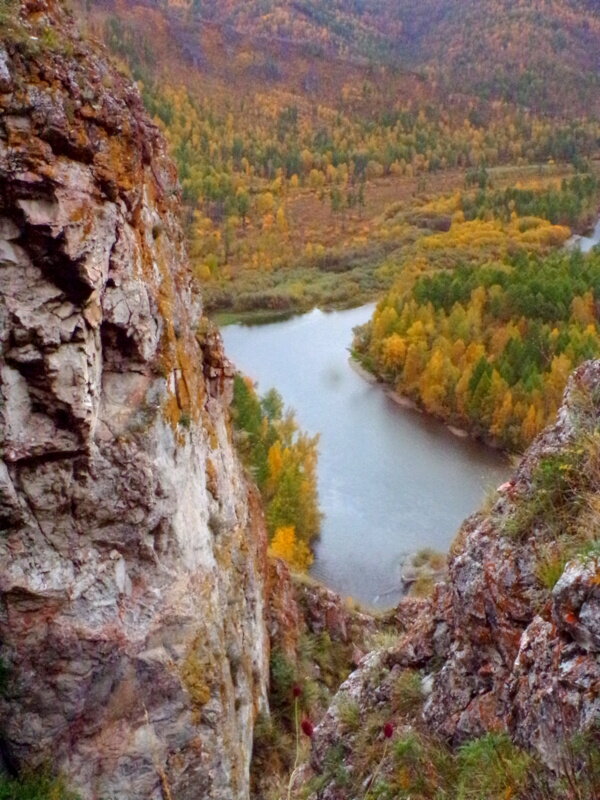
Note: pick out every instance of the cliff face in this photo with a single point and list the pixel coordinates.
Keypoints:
(131, 549)
(522, 647)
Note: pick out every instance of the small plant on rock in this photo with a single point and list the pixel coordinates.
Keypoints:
(407, 693)
(348, 713)
(40, 786)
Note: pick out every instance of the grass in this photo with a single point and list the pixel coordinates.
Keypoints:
(8, 10)
(272, 751)
(223, 318)
(421, 767)
(557, 486)
(422, 571)
(11, 27)
(35, 787)
(551, 561)
(33, 41)
(284, 674)
(334, 772)
(491, 767)
(427, 557)
(348, 713)
(560, 512)
(407, 693)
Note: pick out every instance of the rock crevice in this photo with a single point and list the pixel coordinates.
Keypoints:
(132, 549)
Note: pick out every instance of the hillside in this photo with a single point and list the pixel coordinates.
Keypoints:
(302, 161)
(522, 52)
(543, 55)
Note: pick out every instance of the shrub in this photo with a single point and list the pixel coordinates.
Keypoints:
(551, 562)
(491, 767)
(558, 486)
(283, 678)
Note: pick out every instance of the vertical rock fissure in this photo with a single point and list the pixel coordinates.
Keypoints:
(120, 611)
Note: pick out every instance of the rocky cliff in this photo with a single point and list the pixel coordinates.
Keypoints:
(509, 646)
(131, 549)
(136, 606)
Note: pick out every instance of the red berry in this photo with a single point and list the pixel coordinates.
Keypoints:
(307, 728)
(296, 691)
(388, 730)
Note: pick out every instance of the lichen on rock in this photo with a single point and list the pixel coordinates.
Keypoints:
(496, 651)
(120, 491)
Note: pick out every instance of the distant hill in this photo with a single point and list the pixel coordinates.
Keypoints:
(542, 54)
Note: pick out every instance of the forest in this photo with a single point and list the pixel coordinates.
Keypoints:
(290, 158)
(488, 341)
(332, 155)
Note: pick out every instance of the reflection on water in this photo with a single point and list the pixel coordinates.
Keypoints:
(391, 480)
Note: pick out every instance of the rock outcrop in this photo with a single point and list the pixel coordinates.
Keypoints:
(499, 648)
(132, 552)
(519, 655)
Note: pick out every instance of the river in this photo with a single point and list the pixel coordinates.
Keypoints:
(391, 480)
(585, 243)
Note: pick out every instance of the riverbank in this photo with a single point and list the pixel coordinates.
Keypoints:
(587, 239)
(266, 316)
(483, 343)
(413, 405)
(361, 254)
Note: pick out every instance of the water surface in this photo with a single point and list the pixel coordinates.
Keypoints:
(585, 243)
(391, 480)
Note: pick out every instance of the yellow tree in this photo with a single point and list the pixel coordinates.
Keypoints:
(285, 545)
(393, 352)
(529, 426)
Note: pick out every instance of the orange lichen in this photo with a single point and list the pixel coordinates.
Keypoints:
(211, 478)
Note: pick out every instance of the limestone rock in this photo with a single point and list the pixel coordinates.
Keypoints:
(132, 552)
(5, 77)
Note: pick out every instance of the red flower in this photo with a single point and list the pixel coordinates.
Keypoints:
(307, 728)
(388, 730)
(296, 691)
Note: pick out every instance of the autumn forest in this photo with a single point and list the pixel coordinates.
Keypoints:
(435, 156)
